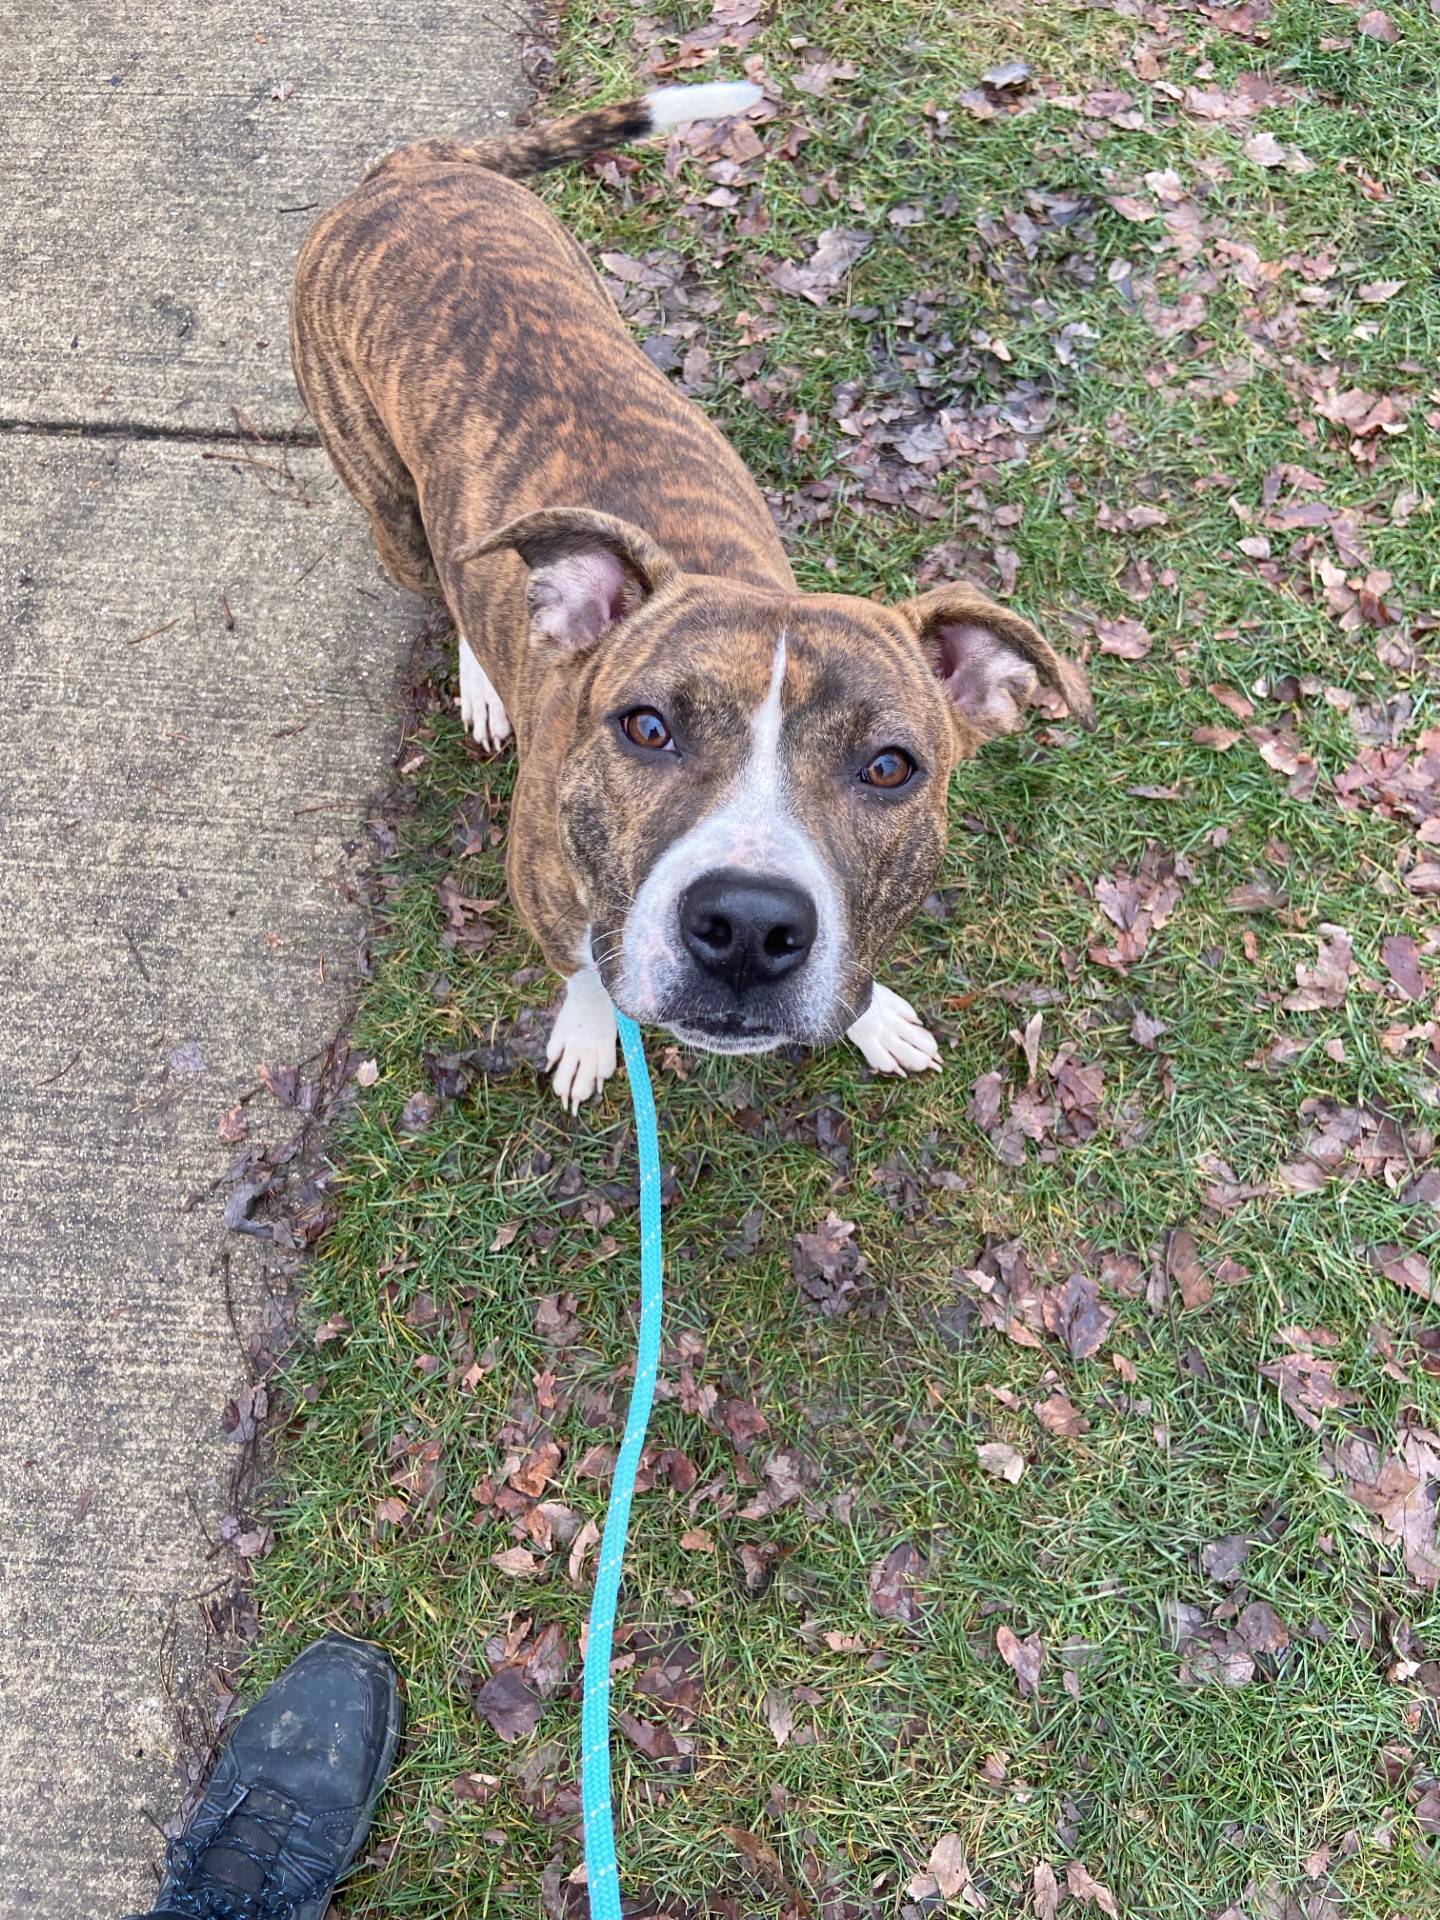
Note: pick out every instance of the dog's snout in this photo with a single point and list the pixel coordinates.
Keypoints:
(746, 929)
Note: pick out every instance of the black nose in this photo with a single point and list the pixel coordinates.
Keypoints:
(745, 929)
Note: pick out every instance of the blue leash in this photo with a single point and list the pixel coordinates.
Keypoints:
(600, 1868)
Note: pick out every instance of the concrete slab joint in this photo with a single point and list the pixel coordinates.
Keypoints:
(195, 677)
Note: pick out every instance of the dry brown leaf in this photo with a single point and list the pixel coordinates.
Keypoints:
(1409, 1270)
(1183, 1258)
(1125, 638)
(1328, 981)
(1401, 955)
(1076, 1314)
(1046, 1890)
(892, 1583)
(779, 1714)
(1401, 1489)
(518, 1562)
(1084, 1886)
(949, 1872)
(1023, 1657)
(1377, 25)
(1005, 1462)
(1059, 1416)
(1307, 1386)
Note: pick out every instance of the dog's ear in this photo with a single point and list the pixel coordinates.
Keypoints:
(990, 661)
(588, 571)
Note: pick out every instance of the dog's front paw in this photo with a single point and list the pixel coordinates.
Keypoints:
(481, 708)
(582, 1040)
(892, 1036)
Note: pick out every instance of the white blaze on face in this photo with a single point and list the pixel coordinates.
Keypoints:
(752, 830)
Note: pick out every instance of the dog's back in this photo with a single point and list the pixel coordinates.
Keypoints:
(464, 363)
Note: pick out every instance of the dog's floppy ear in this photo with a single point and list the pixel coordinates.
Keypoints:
(990, 661)
(588, 571)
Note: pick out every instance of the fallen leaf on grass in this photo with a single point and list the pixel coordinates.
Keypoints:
(1307, 1386)
(1138, 904)
(418, 1113)
(1400, 1489)
(1046, 1889)
(1059, 1416)
(1076, 1314)
(758, 1565)
(1326, 983)
(1362, 415)
(1351, 1143)
(786, 1474)
(1023, 1657)
(835, 254)
(475, 1787)
(1377, 25)
(758, 1854)
(654, 1741)
(892, 1584)
(1183, 1263)
(741, 1422)
(779, 1714)
(674, 1676)
(1137, 519)
(1006, 1463)
(1408, 1270)
(508, 1705)
(1126, 639)
(1080, 1086)
(828, 1264)
(986, 1097)
(1084, 1886)
(518, 1562)
(1255, 896)
(947, 1873)
(1223, 1559)
(1261, 1628)
(1145, 1029)
(816, 75)
(1401, 955)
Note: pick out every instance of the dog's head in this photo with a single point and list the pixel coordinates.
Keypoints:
(754, 799)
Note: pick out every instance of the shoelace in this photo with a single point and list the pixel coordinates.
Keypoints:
(214, 1899)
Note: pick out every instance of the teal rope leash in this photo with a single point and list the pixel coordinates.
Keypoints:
(600, 1869)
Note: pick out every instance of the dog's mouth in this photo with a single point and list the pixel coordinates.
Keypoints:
(727, 1035)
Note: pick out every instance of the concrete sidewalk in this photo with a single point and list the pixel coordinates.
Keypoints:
(179, 799)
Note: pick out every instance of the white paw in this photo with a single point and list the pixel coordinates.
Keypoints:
(892, 1036)
(582, 1040)
(481, 708)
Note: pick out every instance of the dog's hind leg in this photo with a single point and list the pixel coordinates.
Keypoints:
(364, 456)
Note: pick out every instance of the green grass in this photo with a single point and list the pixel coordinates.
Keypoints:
(1184, 1799)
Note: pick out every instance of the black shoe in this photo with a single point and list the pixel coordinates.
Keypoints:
(289, 1803)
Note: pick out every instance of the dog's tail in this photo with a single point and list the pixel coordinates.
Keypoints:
(560, 143)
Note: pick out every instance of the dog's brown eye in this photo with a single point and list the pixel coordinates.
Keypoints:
(890, 769)
(645, 728)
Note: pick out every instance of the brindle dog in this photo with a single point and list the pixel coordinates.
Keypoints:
(731, 794)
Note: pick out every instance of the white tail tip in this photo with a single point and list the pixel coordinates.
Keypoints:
(674, 106)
